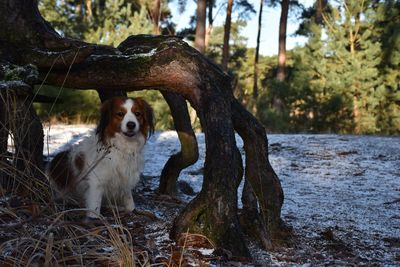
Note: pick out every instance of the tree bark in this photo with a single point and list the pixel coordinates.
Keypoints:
(320, 6)
(167, 64)
(188, 154)
(261, 178)
(250, 218)
(214, 210)
(281, 73)
(227, 33)
(199, 41)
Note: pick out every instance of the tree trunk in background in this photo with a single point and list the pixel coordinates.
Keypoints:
(155, 16)
(320, 6)
(255, 80)
(210, 4)
(79, 10)
(281, 75)
(200, 38)
(227, 33)
(89, 11)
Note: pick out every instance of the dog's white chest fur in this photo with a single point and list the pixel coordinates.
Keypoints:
(109, 174)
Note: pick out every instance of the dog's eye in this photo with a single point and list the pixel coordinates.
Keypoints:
(120, 114)
(137, 114)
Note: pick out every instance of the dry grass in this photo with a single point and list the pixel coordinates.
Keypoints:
(37, 231)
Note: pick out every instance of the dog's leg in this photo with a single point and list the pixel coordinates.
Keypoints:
(129, 205)
(93, 201)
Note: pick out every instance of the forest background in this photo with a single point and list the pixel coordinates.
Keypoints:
(344, 79)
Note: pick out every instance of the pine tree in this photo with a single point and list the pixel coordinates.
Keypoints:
(119, 23)
(357, 58)
(387, 32)
(343, 61)
(107, 22)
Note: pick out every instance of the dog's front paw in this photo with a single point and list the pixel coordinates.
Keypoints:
(129, 205)
(93, 214)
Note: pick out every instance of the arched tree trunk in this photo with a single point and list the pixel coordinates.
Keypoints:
(167, 64)
(189, 152)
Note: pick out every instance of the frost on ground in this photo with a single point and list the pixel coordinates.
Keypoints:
(342, 197)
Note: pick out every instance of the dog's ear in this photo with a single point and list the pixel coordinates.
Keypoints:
(148, 117)
(105, 117)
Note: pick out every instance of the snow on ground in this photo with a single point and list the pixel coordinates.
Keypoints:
(347, 185)
(342, 193)
(59, 137)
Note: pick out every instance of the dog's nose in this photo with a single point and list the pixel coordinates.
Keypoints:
(131, 125)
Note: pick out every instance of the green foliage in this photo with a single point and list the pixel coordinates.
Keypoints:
(237, 43)
(387, 31)
(273, 120)
(72, 106)
(108, 23)
(119, 23)
(343, 79)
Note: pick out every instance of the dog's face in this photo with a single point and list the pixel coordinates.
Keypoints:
(126, 116)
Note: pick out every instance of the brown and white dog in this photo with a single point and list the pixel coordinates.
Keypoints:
(107, 165)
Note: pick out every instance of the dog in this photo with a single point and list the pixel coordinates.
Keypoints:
(105, 167)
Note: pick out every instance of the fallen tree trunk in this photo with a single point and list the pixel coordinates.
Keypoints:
(170, 65)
